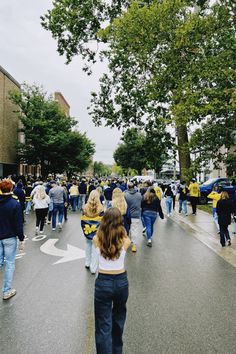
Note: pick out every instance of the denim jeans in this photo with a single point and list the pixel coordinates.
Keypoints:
(74, 202)
(224, 234)
(215, 218)
(81, 201)
(57, 208)
(91, 256)
(183, 206)
(28, 207)
(135, 230)
(168, 205)
(111, 295)
(8, 250)
(149, 218)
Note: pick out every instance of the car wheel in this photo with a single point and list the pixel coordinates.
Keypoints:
(203, 199)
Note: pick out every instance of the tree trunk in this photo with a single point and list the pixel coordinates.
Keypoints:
(184, 154)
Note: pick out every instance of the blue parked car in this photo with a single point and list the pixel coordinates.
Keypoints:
(207, 187)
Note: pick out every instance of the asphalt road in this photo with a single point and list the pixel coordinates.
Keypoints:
(182, 296)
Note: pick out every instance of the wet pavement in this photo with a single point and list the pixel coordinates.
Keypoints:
(182, 294)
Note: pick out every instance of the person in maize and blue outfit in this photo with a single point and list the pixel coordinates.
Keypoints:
(90, 221)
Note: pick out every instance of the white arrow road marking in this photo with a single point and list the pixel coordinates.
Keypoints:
(39, 238)
(20, 255)
(71, 254)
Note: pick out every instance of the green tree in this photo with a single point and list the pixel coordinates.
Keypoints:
(165, 57)
(48, 137)
(143, 149)
(164, 60)
(100, 169)
(131, 153)
(117, 170)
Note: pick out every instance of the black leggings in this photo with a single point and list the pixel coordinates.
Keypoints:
(40, 217)
(224, 234)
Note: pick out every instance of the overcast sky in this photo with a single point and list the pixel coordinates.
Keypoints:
(29, 54)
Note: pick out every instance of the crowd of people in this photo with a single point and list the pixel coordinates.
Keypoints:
(112, 213)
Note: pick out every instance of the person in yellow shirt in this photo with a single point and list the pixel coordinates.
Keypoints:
(215, 196)
(194, 192)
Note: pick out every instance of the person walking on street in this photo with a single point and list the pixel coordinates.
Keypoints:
(111, 285)
(66, 202)
(194, 192)
(11, 227)
(234, 212)
(119, 202)
(174, 191)
(90, 221)
(224, 211)
(133, 199)
(74, 195)
(215, 196)
(58, 198)
(151, 208)
(169, 200)
(82, 194)
(41, 202)
(28, 199)
(108, 195)
(183, 195)
(20, 194)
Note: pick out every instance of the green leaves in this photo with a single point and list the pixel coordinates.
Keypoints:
(49, 140)
(171, 61)
(144, 149)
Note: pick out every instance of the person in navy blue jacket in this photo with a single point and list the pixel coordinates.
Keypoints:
(20, 193)
(11, 227)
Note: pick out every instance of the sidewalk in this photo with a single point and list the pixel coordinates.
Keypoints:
(205, 231)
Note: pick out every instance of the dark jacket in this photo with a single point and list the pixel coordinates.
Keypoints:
(183, 193)
(108, 193)
(169, 193)
(155, 206)
(224, 210)
(11, 219)
(83, 188)
(18, 191)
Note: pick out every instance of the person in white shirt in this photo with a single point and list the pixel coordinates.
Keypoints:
(41, 202)
(111, 286)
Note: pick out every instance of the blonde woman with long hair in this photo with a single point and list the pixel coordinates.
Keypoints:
(119, 202)
(90, 221)
(41, 202)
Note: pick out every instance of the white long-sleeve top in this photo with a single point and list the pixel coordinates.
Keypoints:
(41, 203)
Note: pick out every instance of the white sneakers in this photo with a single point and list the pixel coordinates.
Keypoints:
(149, 243)
(9, 294)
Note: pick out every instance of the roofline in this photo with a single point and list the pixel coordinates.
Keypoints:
(60, 94)
(9, 77)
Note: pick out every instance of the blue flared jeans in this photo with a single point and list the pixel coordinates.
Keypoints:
(111, 295)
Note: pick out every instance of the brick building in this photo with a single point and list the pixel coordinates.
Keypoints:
(63, 104)
(8, 124)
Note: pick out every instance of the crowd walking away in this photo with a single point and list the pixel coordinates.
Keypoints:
(113, 215)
